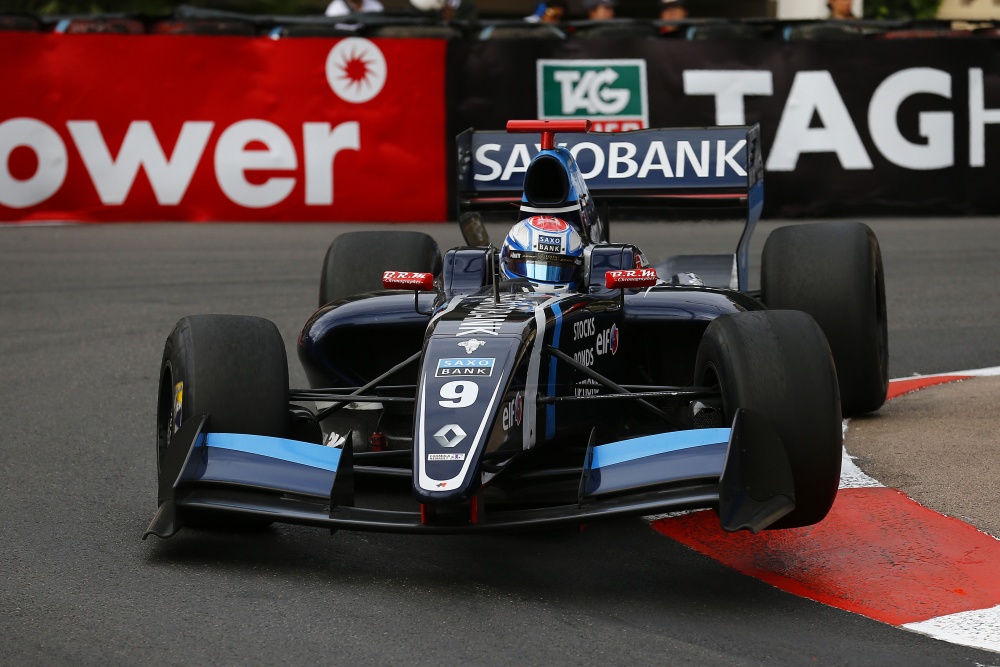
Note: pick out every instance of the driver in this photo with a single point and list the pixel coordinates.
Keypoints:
(547, 251)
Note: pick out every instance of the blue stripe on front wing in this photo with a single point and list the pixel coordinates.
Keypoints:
(661, 443)
(293, 451)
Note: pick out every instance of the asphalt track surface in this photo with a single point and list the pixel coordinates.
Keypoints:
(84, 311)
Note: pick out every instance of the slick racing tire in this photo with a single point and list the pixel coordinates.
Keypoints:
(232, 368)
(355, 261)
(778, 364)
(833, 271)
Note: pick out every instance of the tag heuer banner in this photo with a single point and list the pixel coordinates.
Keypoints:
(848, 127)
(611, 93)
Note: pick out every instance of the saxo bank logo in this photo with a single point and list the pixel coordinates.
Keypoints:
(612, 93)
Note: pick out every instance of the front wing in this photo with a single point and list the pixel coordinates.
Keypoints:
(742, 472)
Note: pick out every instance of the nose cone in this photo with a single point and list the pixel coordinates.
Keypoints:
(460, 392)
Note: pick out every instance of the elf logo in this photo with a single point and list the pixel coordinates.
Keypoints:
(512, 411)
(607, 341)
(612, 93)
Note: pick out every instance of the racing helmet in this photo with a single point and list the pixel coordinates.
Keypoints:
(546, 250)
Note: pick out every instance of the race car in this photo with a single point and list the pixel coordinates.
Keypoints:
(558, 379)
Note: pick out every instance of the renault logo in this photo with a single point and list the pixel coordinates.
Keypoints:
(450, 435)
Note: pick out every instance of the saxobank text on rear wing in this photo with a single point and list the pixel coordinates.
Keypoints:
(717, 167)
(717, 162)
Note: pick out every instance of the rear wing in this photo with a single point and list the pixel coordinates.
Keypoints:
(717, 166)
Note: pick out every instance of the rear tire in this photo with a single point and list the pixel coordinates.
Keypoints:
(833, 271)
(232, 368)
(355, 261)
(778, 364)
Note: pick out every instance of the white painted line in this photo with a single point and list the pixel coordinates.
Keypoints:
(978, 372)
(979, 628)
(852, 477)
(669, 515)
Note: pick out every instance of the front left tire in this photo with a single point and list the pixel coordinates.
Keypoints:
(232, 368)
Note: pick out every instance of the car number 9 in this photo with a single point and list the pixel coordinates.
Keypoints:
(460, 394)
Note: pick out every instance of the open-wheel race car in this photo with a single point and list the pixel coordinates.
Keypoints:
(558, 379)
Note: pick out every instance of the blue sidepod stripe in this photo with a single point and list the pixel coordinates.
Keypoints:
(661, 443)
(550, 410)
(292, 451)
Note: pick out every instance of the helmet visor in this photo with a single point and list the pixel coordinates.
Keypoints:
(544, 267)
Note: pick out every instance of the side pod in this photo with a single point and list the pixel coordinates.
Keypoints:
(757, 485)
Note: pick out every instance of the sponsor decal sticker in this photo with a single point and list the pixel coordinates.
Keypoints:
(408, 280)
(450, 435)
(485, 319)
(584, 328)
(472, 345)
(446, 457)
(607, 341)
(549, 243)
(630, 278)
(474, 366)
(513, 411)
(611, 93)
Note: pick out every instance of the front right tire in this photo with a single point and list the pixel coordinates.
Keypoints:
(778, 364)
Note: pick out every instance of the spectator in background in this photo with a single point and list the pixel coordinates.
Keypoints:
(600, 10)
(840, 10)
(553, 11)
(345, 7)
(673, 10)
(447, 9)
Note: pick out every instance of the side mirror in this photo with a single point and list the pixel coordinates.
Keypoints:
(408, 280)
(630, 278)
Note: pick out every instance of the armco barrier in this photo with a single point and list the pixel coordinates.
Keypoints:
(199, 120)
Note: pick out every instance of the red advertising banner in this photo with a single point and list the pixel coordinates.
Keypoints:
(142, 128)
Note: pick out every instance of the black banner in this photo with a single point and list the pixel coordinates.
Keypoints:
(848, 127)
